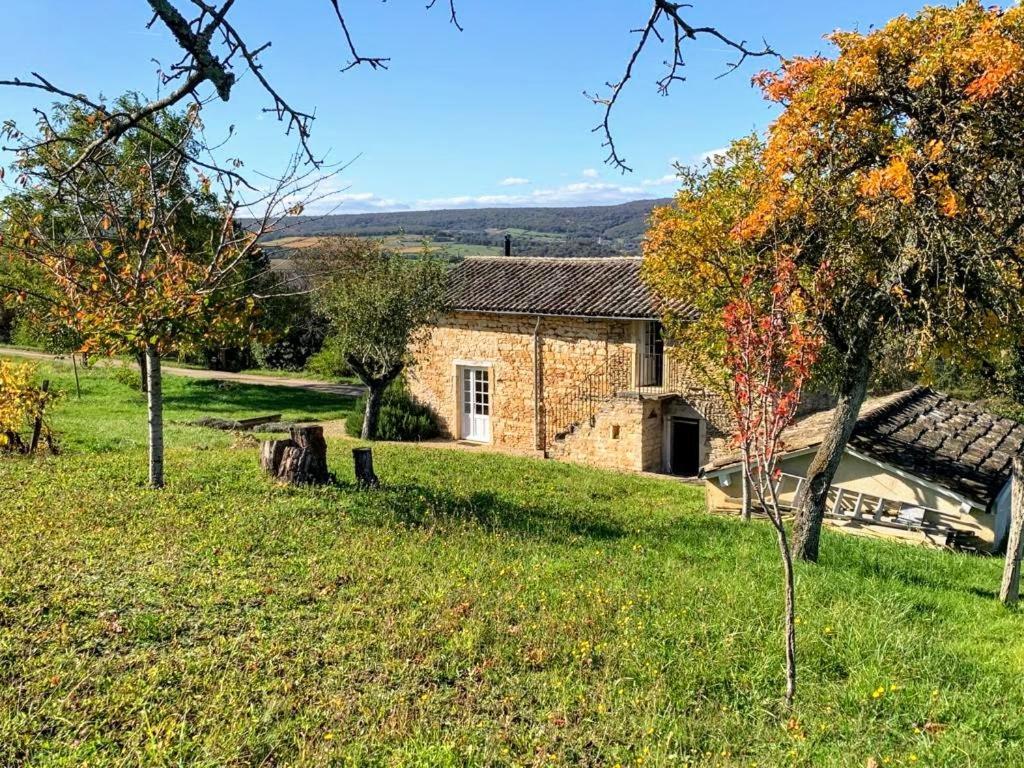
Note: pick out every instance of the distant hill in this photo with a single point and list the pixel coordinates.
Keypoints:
(581, 231)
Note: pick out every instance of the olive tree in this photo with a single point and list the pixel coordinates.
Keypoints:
(378, 303)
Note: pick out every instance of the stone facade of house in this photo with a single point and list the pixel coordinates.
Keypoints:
(537, 367)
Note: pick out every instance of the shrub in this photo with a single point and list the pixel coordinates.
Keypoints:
(22, 402)
(129, 376)
(329, 362)
(401, 416)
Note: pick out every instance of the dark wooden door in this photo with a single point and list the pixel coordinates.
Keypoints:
(685, 447)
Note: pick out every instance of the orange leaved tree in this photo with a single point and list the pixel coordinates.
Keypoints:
(136, 252)
(897, 163)
(690, 252)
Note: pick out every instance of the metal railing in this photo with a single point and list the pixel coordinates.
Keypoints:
(568, 411)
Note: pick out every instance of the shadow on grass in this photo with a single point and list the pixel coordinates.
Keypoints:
(421, 506)
(910, 572)
(253, 399)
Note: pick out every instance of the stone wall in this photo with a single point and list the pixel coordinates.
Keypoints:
(569, 349)
(613, 440)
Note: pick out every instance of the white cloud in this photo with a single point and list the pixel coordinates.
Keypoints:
(668, 180)
(577, 193)
(513, 181)
(590, 173)
(711, 154)
(343, 201)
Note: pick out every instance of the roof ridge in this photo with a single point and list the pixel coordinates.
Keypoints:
(886, 409)
(557, 259)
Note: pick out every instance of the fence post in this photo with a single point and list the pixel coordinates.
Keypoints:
(1008, 592)
(37, 425)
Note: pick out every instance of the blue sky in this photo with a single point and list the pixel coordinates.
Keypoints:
(493, 115)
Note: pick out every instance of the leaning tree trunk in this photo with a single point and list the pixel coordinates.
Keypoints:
(1010, 588)
(810, 509)
(299, 460)
(156, 418)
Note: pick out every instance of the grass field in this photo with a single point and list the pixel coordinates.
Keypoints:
(402, 244)
(478, 610)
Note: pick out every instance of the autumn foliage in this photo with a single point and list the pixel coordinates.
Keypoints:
(895, 167)
(22, 403)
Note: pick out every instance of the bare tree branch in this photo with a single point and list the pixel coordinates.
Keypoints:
(667, 13)
(214, 52)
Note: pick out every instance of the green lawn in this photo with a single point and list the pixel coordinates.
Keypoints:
(479, 610)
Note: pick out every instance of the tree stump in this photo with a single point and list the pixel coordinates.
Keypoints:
(365, 477)
(299, 460)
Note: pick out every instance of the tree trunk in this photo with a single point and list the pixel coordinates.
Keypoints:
(1010, 588)
(770, 502)
(745, 487)
(365, 476)
(143, 372)
(37, 425)
(810, 509)
(372, 413)
(787, 570)
(375, 396)
(156, 418)
(78, 384)
(300, 460)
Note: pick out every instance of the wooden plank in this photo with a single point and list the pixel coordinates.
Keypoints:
(258, 420)
(837, 505)
(857, 505)
(879, 507)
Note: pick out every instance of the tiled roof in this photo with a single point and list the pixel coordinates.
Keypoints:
(577, 287)
(953, 443)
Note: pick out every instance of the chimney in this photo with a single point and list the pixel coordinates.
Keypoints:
(508, 245)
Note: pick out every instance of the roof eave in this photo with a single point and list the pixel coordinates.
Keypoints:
(524, 313)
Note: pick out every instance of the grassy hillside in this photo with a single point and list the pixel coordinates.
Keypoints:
(599, 230)
(479, 610)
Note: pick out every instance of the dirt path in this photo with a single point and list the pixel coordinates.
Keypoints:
(347, 390)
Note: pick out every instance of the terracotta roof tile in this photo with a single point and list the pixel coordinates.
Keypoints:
(590, 287)
(954, 443)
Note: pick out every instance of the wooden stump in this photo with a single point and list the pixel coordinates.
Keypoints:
(365, 477)
(300, 460)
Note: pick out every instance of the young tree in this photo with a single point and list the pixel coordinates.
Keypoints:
(770, 348)
(140, 255)
(692, 253)
(378, 304)
(23, 404)
(899, 164)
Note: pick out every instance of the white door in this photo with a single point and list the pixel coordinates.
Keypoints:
(475, 389)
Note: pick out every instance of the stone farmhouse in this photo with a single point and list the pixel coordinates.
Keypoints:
(566, 359)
